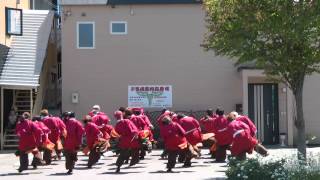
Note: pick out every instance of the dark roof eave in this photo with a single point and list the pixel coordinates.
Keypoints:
(240, 68)
(131, 2)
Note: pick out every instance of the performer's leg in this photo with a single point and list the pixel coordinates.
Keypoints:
(47, 156)
(188, 154)
(142, 154)
(37, 160)
(134, 157)
(221, 153)
(172, 157)
(124, 154)
(164, 154)
(71, 158)
(24, 161)
(259, 148)
(94, 157)
(182, 156)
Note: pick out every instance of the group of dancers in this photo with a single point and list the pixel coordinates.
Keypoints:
(47, 137)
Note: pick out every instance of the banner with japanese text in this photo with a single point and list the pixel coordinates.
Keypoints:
(150, 96)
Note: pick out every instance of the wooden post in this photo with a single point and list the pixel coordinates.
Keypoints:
(2, 129)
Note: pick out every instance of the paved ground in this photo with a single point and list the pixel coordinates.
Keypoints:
(151, 168)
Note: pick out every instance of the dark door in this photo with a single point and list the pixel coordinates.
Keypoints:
(264, 111)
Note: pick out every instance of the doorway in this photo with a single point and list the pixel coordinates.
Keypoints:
(263, 109)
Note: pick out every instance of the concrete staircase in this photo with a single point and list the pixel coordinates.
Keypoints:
(11, 140)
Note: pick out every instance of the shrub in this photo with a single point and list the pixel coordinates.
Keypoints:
(288, 168)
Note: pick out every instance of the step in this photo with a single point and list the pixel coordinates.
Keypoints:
(10, 146)
(11, 140)
(11, 135)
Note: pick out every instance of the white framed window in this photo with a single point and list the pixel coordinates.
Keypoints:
(118, 27)
(85, 35)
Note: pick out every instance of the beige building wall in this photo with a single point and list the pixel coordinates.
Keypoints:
(24, 4)
(162, 47)
(311, 105)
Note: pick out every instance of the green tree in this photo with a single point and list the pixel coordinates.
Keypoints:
(280, 36)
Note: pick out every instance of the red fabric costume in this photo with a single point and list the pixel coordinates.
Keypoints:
(56, 126)
(207, 124)
(174, 136)
(220, 125)
(242, 140)
(101, 120)
(192, 129)
(92, 133)
(74, 134)
(159, 120)
(247, 121)
(128, 134)
(44, 132)
(29, 135)
(139, 122)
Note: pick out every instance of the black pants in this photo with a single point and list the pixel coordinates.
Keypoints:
(94, 157)
(221, 153)
(125, 154)
(185, 156)
(71, 159)
(172, 157)
(142, 153)
(24, 161)
(37, 160)
(47, 156)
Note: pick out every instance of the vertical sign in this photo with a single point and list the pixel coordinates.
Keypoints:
(13, 21)
(150, 96)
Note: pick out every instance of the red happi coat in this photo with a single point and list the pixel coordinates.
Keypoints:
(44, 132)
(242, 142)
(207, 124)
(75, 132)
(61, 125)
(108, 129)
(220, 125)
(247, 121)
(56, 127)
(128, 134)
(139, 122)
(192, 128)
(92, 134)
(160, 118)
(148, 126)
(102, 120)
(173, 136)
(29, 135)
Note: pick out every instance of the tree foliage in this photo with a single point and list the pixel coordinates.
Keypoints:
(280, 36)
